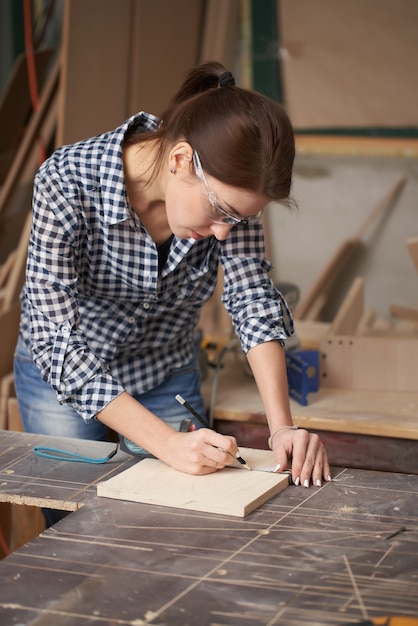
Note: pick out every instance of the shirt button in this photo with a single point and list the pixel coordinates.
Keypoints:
(131, 320)
(66, 329)
(146, 305)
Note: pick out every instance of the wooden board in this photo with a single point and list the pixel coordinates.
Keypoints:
(363, 412)
(412, 245)
(350, 312)
(369, 363)
(331, 83)
(322, 291)
(231, 491)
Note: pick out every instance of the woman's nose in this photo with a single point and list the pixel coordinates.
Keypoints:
(221, 231)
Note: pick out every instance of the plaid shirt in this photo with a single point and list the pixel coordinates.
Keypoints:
(97, 315)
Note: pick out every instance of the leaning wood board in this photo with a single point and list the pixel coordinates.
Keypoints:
(230, 491)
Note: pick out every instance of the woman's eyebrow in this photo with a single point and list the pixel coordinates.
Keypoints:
(232, 209)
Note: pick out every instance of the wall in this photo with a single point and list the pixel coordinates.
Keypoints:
(335, 194)
(349, 67)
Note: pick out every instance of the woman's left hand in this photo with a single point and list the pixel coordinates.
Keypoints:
(307, 454)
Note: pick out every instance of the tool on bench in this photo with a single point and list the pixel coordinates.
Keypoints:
(132, 448)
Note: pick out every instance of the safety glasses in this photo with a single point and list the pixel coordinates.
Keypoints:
(216, 213)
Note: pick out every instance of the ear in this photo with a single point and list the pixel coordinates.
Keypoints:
(180, 156)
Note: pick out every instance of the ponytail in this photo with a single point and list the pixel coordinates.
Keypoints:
(244, 139)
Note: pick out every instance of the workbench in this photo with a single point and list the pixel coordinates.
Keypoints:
(319, 556)
(361, 429)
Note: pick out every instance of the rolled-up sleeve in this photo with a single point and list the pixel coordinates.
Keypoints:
(79, 377)
(258, 310)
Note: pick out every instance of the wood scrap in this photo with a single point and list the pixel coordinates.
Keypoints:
(311, 306)
(404, 313)
(6, 392)
(9, 327)
(351, 311)
(409, 314)
(6, 267)
(350, 360)
(46, 105)
(412, 245)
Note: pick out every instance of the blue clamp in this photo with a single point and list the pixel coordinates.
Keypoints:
(302, 373)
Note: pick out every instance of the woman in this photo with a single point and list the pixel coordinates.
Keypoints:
(129, 229)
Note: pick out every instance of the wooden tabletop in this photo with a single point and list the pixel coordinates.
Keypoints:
(382, 413)
(308, 556)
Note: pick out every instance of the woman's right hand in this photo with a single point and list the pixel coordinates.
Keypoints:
(199, 452)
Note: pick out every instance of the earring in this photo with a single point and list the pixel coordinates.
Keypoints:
(172, 170)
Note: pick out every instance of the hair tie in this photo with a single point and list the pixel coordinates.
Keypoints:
(226, 79)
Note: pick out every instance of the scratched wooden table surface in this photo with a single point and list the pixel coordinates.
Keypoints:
(318, 557)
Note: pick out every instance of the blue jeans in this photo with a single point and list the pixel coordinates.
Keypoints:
(42, 413)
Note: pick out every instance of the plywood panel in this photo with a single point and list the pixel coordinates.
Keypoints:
(369, 363)
(350, 64)
(122, 57)
(231, 491)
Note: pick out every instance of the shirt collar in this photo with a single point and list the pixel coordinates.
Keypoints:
(113, 182)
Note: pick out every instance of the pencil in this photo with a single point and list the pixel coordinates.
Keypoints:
(205, 423)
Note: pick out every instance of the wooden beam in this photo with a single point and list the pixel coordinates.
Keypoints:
(313, 303)
(31, 135)
(351, 310)
(404, 313)
(412, 244)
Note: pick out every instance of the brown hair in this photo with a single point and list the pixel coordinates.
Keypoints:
(243, 138)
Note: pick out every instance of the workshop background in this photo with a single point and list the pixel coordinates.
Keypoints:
(344, 71)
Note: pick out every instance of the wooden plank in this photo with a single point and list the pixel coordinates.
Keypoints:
(32, 132)
(9, 326)
(404, 313)
(351, 310)
(15, 102)
(319, 61)
(14, 420)
(385, 413)
(6, 390)
(412, 245)
(309, 333)
(312, 304)
(366, 322)
(231, 491)
(6, 267)
(369, 363)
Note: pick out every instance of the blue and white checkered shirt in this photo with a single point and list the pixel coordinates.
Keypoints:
(97, 315)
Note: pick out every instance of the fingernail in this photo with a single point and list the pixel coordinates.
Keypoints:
(329, 479)
(318, 483)
(306, 483)
(297, 481)
(276, 469)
